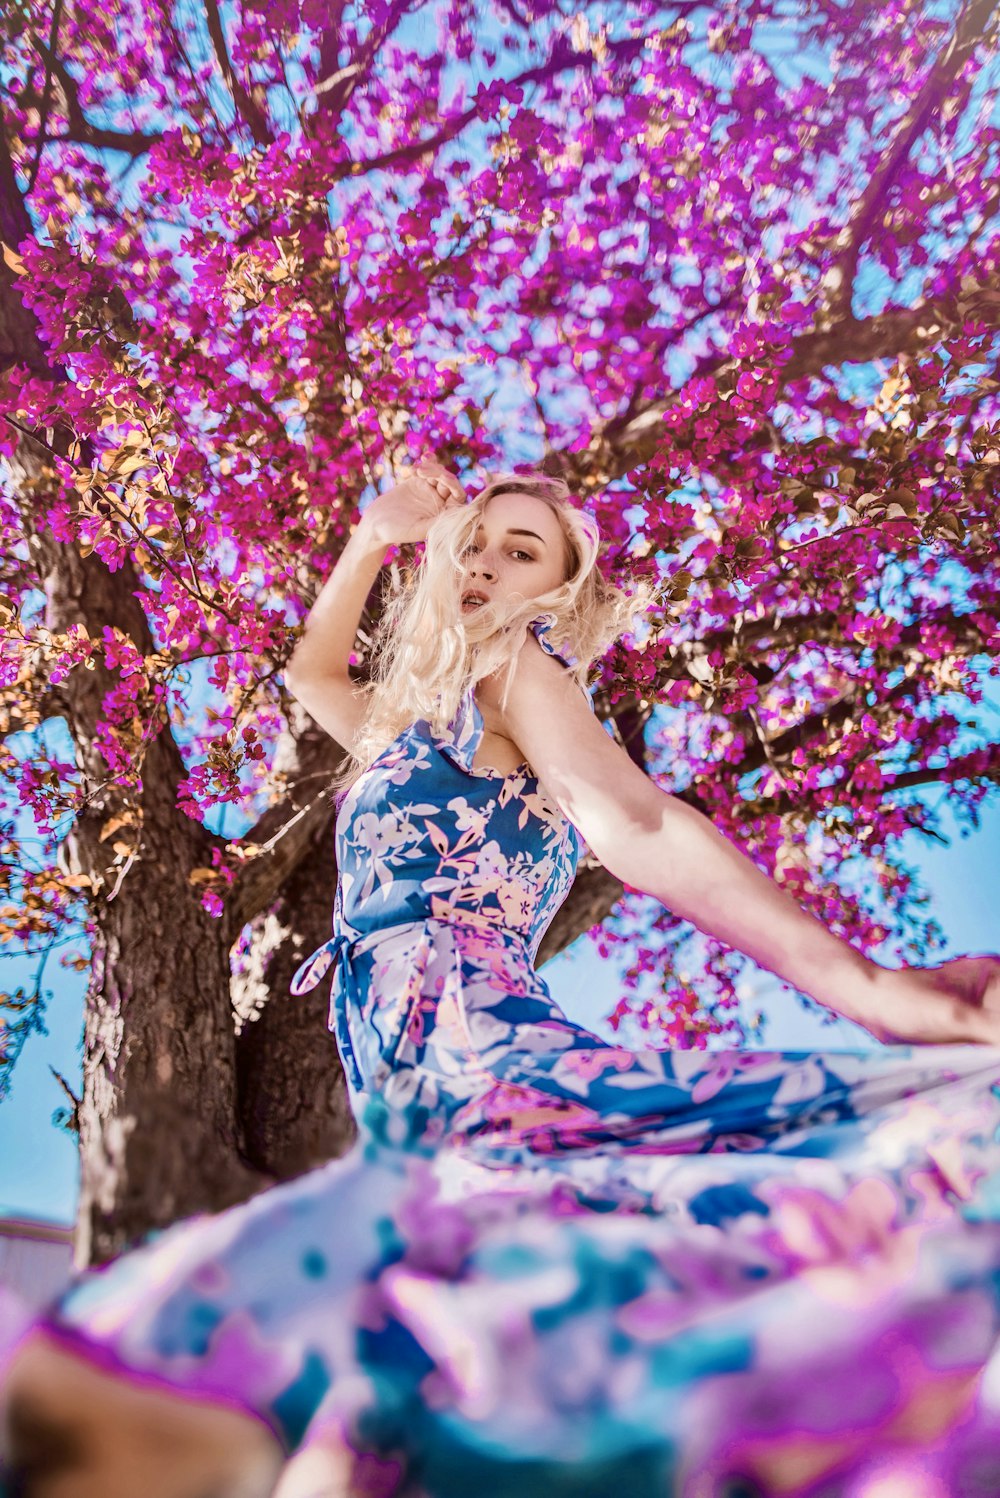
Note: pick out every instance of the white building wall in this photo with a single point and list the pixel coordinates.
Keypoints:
(36, 1259)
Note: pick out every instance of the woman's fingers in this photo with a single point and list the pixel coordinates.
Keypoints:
(438, 493)
(443, 482)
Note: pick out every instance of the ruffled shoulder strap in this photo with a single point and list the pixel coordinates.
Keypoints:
(541, 628)
(464, 733)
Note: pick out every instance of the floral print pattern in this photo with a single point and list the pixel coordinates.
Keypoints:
(552, 1264)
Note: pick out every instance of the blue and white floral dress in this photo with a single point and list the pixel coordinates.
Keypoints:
(550, 1264)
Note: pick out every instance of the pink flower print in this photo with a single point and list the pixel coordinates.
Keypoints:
(500, 974)
(722, 1067)
(591, 1064)
(240, 1356)
(418, 1029)
(517, 902)
(851, 1251)
(520, 1112)
(537, 805)
(654, 1316)
(729, 1144)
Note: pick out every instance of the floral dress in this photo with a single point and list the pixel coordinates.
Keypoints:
(553, 1265)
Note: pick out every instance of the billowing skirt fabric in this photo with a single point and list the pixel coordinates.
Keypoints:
(551, 1265)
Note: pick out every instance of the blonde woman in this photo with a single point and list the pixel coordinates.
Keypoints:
(548, 1263)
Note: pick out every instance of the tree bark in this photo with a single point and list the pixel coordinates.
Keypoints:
(291, 1092)
(159, 1131)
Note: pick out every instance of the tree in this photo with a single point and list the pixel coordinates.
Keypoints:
(250, 267)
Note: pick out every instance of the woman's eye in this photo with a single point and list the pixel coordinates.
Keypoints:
(525, 554)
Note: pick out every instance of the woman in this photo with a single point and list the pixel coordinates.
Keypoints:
(549, 1263)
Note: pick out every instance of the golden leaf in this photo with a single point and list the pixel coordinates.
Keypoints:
(13, 260)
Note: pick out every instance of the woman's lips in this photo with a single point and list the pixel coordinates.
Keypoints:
(472, 600)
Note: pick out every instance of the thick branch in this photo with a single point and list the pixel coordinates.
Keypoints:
(969, 32)
(799, 629)
(338, 85)
(19, 342)
(79, 129)
(563, 56)
(246, 106)
(618, 446)
(43, 113)
(290, 831)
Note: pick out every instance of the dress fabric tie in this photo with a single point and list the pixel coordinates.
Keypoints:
(334, 956)
(312, 972)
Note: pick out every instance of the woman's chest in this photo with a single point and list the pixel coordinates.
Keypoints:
(416, 814)
(495, 751)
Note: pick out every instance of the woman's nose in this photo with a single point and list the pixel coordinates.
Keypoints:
(482, 567)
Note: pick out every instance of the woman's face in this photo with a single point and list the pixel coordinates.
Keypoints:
(519, 551)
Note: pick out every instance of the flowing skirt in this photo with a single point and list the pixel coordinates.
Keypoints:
(550, 1265)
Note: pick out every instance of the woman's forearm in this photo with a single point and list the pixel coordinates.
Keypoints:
(331, 625)
(697, 873)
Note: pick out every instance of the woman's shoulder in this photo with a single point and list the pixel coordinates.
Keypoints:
(542, 629)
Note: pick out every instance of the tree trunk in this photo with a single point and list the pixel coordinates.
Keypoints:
(291, 1092)
(159, 1138)
(159, 1131)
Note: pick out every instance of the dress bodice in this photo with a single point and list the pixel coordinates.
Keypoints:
(422, 834)
(426, 842)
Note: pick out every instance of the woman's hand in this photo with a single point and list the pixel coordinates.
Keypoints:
(955, 1002)
(973, 981)
(404, 513)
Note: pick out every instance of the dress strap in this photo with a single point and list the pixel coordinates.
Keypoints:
(465, 731)
(541, 628)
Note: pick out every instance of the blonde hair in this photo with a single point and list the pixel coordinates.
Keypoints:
(426, 654)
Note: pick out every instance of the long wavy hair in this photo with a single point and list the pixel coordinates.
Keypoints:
(426, 654)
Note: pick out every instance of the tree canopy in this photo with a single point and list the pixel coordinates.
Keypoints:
(730, 269)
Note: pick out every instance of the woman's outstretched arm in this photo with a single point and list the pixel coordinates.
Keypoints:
(656, 843)
(318, 671)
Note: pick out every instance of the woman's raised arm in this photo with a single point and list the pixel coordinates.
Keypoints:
(656, 843)
(318, 671)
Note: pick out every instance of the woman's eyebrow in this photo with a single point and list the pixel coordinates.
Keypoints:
(512, 532)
